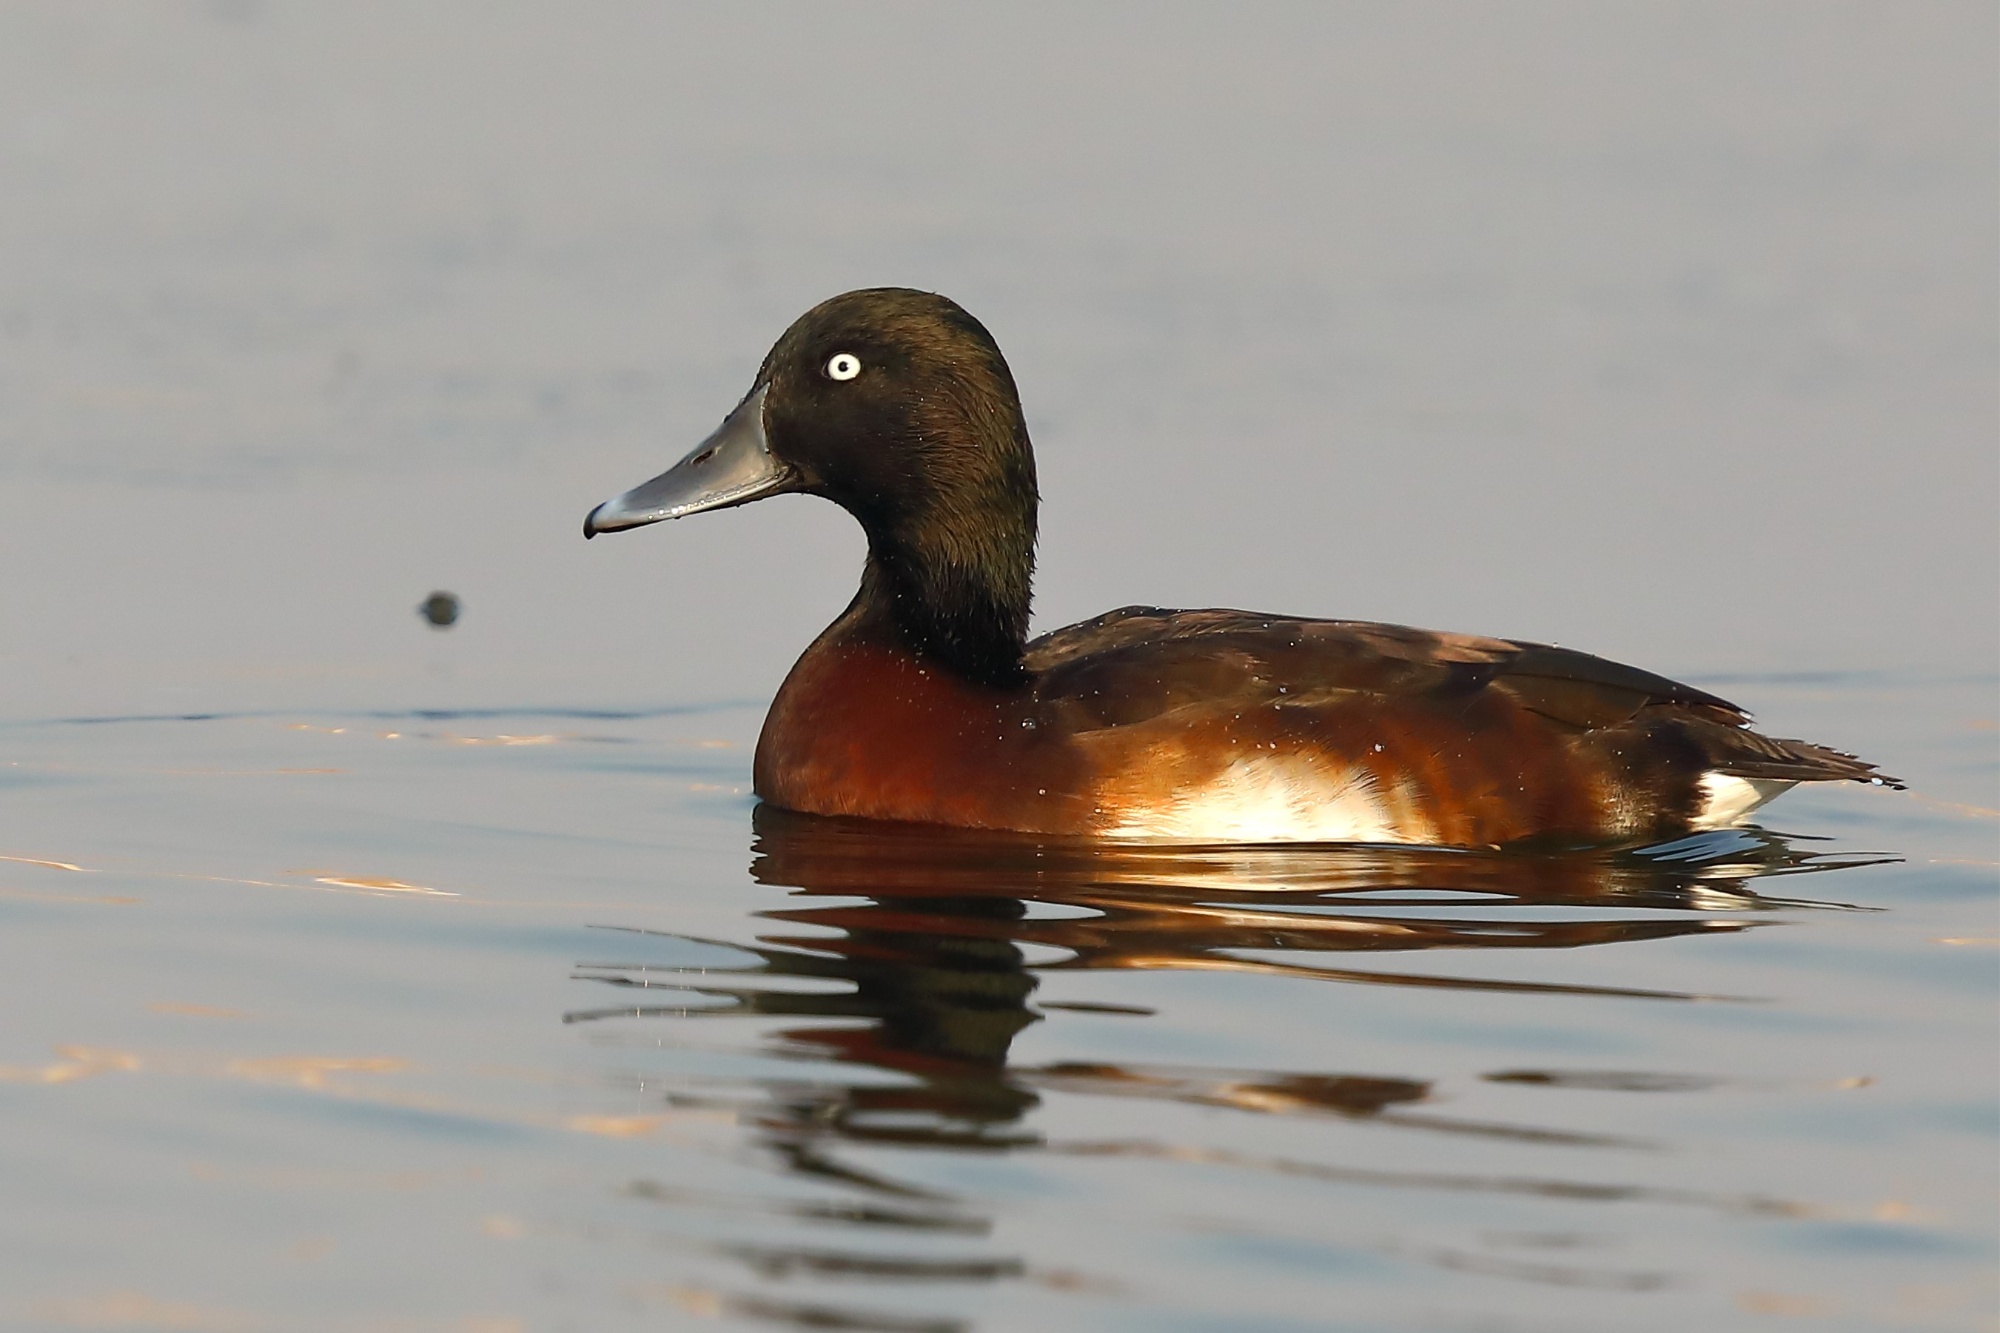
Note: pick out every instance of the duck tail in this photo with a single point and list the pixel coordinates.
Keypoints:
(1742, 753)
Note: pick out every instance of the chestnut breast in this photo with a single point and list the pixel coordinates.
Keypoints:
(870, 730)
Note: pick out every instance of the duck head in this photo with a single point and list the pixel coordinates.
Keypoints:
(897, 406)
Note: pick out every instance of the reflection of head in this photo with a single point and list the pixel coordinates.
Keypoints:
(943, 996)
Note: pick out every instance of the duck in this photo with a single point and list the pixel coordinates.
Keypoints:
(926, 701)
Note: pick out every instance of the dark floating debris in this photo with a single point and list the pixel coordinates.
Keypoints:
(440, 609)
(1606, 1080)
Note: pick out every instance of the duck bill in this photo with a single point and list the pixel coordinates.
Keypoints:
(731, 467)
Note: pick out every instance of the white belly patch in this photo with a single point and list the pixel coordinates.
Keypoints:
(1726, 798)
(1272, 798)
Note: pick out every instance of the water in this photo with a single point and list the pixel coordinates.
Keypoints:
(361, 974)
(349, 1020)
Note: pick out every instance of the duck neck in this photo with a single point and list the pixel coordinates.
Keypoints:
(964, 607)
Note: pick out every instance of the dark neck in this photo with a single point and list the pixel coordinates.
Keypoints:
(970, 617)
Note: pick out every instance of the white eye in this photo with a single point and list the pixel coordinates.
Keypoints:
(843, 366)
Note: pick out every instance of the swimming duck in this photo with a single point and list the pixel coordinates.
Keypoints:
(926, 701)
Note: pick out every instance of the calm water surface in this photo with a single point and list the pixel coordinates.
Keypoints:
(523, 1019)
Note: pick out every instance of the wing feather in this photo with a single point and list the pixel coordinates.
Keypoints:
(1138, 662)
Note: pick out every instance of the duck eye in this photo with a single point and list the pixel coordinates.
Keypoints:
(843, 366)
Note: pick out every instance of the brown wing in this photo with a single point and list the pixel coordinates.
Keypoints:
(1138, 662)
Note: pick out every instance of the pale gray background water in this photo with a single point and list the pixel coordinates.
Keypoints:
(1667, 331)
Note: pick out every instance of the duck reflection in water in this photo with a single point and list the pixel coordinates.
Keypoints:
(939, 937)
